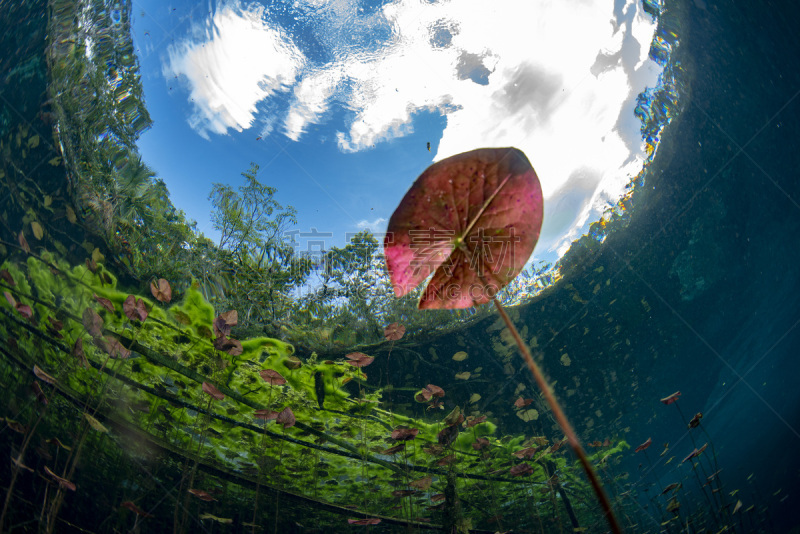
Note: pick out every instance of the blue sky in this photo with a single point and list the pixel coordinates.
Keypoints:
(337, 100)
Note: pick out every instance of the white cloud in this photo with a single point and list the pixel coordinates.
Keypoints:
(376, 226)
(231, 65)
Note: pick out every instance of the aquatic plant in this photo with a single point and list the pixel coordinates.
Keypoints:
(472, 221)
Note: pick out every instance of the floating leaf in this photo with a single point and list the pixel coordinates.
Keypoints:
(447, 435)
(472, 421)
(213, 391)
(38, 233)
(447, 460)
(16, 461)
(41, 375)
(480, 443)
(16, 426)
(94, 423)
(104, 302)
(472, 220)
(24, 310)
(92, 322)
(695, 453)
(70, 212)
(672, 398)
(134, 308)
(359, 359)
(557, 445)
(525, 454)
(162, 292)
(77, 351)
(644, 445)
(404, 434)
(460, 356)
(475, 397)
(423, 395)
(224, 322)
(56, 324)
(394, 331)
(23, 243)
(33, 142)
(521, 403)
(433, 449)
(97, 256)
(202, 495)
(285, 418)
(436, 391)
(112, 347)
(455, 417)
(362, 522)
(521, 470)
(267, 415)
(695, 422)
(5, 275)
(272, 378)
(57, 442)
(231, 346)
(421, 484)
(63, 482)
(463, 375)
(394, 450)
(670, 487)
(135, 509)
(737, 506)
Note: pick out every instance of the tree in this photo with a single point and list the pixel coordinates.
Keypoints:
(258, 265)
(250, 219)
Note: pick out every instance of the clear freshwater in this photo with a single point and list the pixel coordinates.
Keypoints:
(689, 286)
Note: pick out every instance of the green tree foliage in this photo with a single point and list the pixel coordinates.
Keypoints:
(256, 267)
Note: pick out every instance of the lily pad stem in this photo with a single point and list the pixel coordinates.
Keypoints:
(562, 421)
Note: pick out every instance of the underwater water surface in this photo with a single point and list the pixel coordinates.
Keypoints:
(669, 333)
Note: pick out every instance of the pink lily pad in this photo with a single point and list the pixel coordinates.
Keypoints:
(286, 418)
(201, 494)
(134, 308)
(404, 434)
(359, 359)
(161, 290)
(224, 322)
(273, 378)
(213, 391)
(471, 220)
(63, 482)
(394, 331)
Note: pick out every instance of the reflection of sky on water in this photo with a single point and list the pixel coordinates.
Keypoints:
(342, 77)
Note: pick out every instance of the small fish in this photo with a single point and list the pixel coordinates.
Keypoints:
(319, 387)
(429, 146)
